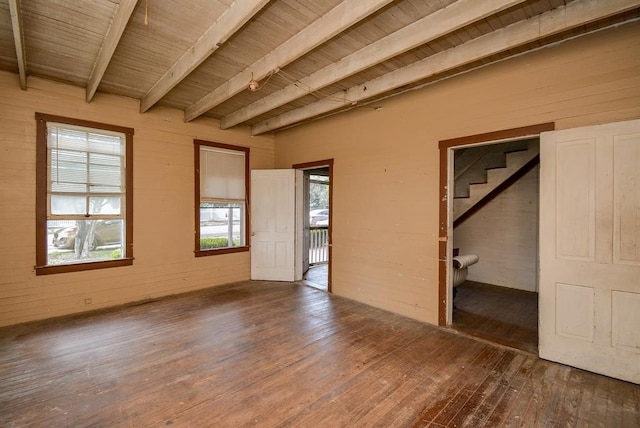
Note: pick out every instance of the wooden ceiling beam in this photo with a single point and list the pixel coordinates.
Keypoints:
(18, 38)
(111, 40)
(438, 24)
(338, 19)
(238, 14)
(575, 14)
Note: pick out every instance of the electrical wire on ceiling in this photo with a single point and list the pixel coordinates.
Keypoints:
(315, 92)
(255, 86)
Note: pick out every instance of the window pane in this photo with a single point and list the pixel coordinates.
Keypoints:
(322, 178)
(221, 225)
(84, 241)
(85, 162)
(105, 171)
(61, 205)
(107, 144)
(68, 171)
(80, 139)
(104, 205)
(222, 174)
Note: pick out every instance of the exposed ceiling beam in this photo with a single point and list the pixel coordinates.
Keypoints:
(18, 38)
(238, 14)
(338, 19)
(439, 23)
(120, 20)
(577, 13)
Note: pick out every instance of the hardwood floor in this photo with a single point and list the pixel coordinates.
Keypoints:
(498, 314)
(277, 354)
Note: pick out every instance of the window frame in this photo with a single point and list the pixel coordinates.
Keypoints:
(42, 268)
(198, 252)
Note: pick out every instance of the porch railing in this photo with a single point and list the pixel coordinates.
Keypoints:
(318, 245)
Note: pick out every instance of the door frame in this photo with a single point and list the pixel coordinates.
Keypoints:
(312, 165)
(445, 246)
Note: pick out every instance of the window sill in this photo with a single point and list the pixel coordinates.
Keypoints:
(216, 251)
(77, 267)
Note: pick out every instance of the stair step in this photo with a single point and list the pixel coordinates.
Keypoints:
(516, 151)
(479, 190)
(498, 174)
(519, 156)
(515, 160)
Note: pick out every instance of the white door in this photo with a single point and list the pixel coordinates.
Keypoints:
(273, 225)
(590, 248)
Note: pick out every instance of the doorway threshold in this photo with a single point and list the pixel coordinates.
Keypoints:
(318, 277)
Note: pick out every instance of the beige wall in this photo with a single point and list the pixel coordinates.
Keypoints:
(385, 206)
(163, 204)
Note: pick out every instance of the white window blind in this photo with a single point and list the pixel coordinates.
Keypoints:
(222, 175)
(86, 171)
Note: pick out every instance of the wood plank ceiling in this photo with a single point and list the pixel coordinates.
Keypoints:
(272, 64)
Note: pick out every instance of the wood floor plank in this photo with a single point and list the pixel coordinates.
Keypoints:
(284, 355)
(631, 407)
(480, 406)
(510, 384)
(436, 358)
(497, 385)
(359, 398)
(478, 372)
(434, 392)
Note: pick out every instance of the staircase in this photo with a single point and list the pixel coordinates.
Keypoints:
(484, 172)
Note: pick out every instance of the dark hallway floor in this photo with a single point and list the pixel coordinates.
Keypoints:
(499, 314)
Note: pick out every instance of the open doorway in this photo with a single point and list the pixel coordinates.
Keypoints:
(489, 230)
(495, 242)
(316, 227)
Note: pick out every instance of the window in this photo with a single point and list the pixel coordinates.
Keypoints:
(221, 184)
(84, 204)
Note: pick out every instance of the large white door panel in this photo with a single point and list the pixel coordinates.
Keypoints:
(271, 255)
(626, 214)
(626, 319)
(575, 202)
(577, 324)
(590, 248)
